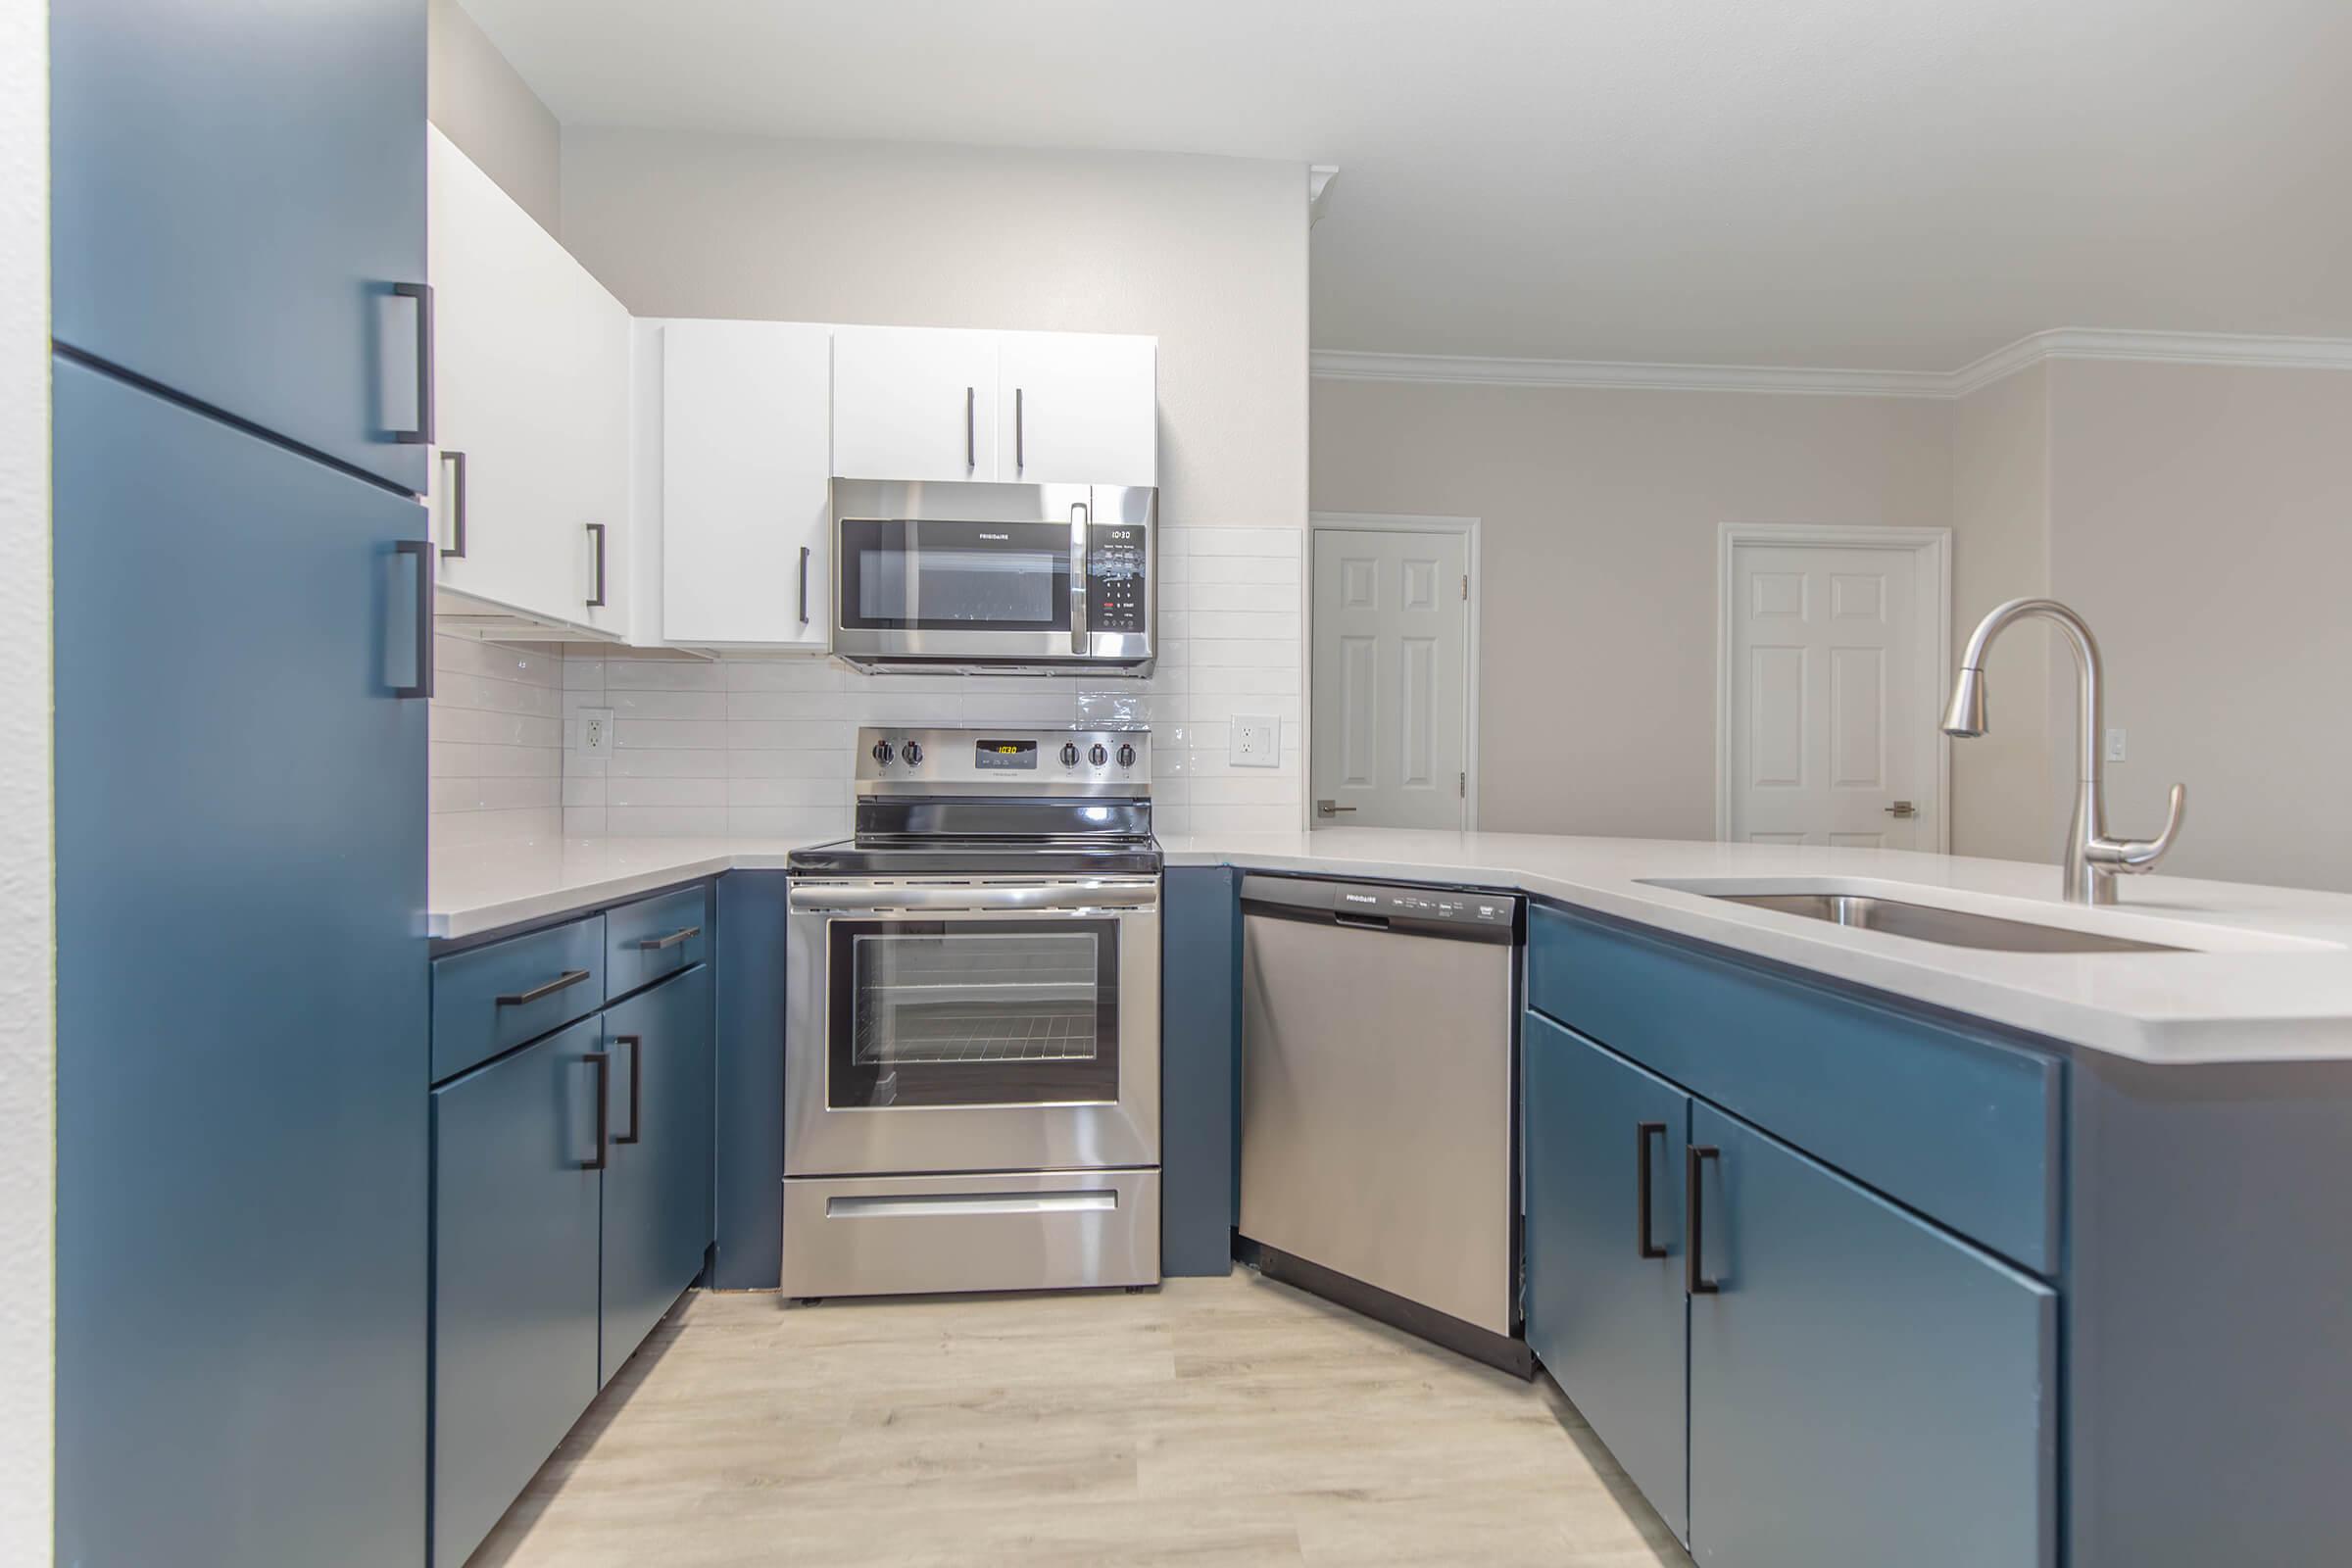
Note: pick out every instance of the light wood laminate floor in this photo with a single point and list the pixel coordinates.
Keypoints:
(1210, 1422)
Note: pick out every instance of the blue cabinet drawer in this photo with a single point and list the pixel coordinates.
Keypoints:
(488, 998)
(656, 937)
(1963, 1127)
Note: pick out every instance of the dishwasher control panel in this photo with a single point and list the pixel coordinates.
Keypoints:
(1375, 903)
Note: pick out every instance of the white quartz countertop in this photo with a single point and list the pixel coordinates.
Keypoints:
(2267, 974)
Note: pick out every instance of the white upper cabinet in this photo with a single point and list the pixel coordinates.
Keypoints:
(1077, 408)
(915, 403)
(744, 514)
(531, 381)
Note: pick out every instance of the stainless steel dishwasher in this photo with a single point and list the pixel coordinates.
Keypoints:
(1378, 1140)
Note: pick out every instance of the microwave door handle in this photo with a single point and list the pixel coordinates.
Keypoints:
(1078, 644)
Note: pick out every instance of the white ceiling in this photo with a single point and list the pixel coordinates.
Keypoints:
(1883, 183)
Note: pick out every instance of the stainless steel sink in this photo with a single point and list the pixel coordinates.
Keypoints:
(1924, 922)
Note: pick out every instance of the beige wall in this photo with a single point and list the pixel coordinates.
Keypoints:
(1208, 253)
(483, 106)
(2201, 519)
(2006, 802)
(1599, 515)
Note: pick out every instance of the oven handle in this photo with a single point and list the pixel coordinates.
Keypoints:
(979, 900)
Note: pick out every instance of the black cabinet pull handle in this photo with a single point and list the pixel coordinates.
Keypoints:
(1692, 1269)
(657, 943)
(603, 1063)
(1020, 443)
(421, 551)
(423, 433)
(1643, 1247)
(803, 585)
(636, 1045)
(971, 427)
(595, 532)
(523, 999)
(457, 502)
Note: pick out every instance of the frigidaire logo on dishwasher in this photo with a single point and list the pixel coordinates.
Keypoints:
(1001, 538)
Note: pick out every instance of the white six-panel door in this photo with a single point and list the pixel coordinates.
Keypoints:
(1830, 731)
(1391, 625)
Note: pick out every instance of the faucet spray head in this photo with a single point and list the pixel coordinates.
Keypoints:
(1965, 718)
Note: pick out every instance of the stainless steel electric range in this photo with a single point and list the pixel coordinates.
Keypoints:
(971, 1073)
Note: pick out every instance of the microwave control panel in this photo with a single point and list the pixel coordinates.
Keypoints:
(1114, 577)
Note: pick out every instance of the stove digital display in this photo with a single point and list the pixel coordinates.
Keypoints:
(1018, 754)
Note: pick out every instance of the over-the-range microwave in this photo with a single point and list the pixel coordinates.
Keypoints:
(1054, 579)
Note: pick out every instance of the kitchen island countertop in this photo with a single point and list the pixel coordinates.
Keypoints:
(2267, 974)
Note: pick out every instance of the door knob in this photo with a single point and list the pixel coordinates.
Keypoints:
(1331, 808)
(1902, 809)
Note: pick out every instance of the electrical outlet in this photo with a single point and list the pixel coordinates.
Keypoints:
(596, 732)
(1256, 741)
(2115, 745)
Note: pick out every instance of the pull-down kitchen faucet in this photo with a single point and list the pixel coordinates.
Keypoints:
(2093, 860)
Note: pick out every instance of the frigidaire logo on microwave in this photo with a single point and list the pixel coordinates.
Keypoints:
(998, 536)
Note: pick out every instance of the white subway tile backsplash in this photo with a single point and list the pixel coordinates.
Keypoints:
(662, 734)
(686, 762)
(663, 675)
(764, 746)
(495, 761)
(1260, 653)
(628, 704)
(620, 791)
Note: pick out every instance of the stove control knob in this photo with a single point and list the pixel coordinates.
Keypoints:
(913, 752)
(1126, 755)
(881, 753)
(1069, 755)
(1097, 754)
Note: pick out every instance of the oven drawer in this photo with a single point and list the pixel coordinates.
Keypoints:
(1027, 1230)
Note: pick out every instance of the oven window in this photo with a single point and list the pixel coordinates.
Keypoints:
(955, 576)
(972, 1012)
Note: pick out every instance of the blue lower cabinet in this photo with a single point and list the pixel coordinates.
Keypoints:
(515, 1274)
(241, 1146)
(1604, 1161)
(657, 1226)
(1865, 1389)
(1199, 1057)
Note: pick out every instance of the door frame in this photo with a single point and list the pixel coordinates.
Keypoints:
(1931, 548)
(1396, 523)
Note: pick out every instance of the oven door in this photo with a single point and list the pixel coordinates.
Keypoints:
(982, 571)
(947, 1026)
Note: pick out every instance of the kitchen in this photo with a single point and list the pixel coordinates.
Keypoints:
(692, 791)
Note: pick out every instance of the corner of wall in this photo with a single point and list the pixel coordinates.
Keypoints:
(27, 915)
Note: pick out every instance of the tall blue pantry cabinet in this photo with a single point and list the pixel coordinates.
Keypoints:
(239, 418)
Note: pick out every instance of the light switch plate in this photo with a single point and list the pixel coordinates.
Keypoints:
(596, 732)
(2115, 745)
(1256, 741)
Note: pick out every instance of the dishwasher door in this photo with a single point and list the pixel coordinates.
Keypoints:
(1377, 1136)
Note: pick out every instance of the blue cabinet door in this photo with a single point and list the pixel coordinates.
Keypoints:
(235, 189)
(241, 1008)
(658, 1182)
(1865, 1388)
(1605, 1272)
(515, 1275)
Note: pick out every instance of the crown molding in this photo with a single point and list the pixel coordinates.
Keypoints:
(2059, 343)
(2243, 350)
(1335, 365)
